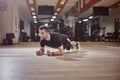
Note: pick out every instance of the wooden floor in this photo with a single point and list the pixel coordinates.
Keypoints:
(88, 64)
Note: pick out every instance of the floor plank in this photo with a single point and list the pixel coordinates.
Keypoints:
(88, 64)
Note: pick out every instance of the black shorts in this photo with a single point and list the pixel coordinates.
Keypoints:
(68, 45)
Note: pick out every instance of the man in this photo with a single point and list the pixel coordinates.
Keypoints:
(95, 34)
(54, 40)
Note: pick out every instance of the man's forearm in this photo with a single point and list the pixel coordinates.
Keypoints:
(60, 52)
(57, 53)
(42, 49)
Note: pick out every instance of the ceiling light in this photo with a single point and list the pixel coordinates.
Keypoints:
(54, 17)
(58, 9)
(32, 9)
(90, 17)
(35, 21)
(34, 17)
(62, 2)
(56, 13)
(31, 1)
(46, 24)
(33, 13)
(80, 21)
(85, 20)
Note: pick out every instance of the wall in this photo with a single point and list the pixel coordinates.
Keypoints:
(24, 16)
(4, 16)
(0, 37)
(108, 21)
(16, 29)
(70, 21)
(9, 20)
(27, 27)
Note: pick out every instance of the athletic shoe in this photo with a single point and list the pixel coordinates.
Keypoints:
(77, 47)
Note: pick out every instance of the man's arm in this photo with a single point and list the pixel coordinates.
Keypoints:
(57, 53)
(42, 49)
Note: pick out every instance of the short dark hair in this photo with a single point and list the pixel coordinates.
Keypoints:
(43, 27)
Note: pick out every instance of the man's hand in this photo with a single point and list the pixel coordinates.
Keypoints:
(40, 52)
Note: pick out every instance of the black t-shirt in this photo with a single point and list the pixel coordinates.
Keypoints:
(56, 40)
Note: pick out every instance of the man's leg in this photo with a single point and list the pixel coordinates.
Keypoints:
(75, 45)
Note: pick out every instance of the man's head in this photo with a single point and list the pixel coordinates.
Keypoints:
(43, 32)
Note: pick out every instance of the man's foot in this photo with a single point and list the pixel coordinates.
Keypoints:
(77, 47)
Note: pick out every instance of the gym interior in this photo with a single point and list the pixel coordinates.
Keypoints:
(93, 23)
